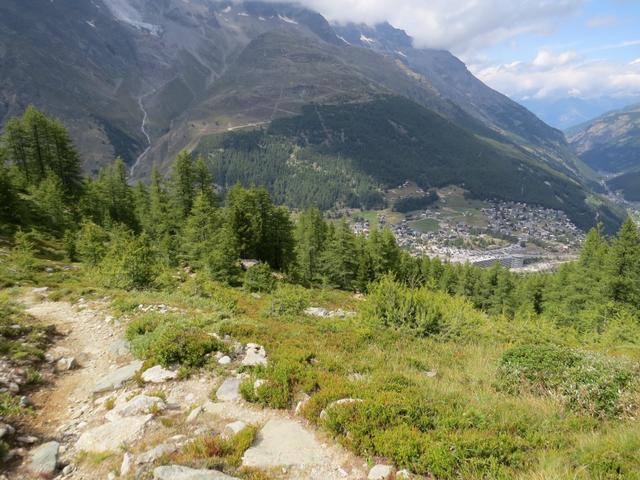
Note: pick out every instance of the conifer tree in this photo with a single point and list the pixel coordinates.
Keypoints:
(340, 260)
(310, 237)
(623, 266)
(182, 184)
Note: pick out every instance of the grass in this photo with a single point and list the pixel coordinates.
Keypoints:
(425, 225)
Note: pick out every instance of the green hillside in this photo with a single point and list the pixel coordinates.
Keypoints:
(384, 142)
(628, 184)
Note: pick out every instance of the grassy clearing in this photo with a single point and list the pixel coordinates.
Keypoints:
(425, 225)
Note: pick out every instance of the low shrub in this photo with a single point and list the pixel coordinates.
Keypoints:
(288, 300)
(587, 382)
(259, 278)
(170, 340)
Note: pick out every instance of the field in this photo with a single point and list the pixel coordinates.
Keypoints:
(425, 225)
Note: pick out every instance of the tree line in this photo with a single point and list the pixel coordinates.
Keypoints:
(136, 236)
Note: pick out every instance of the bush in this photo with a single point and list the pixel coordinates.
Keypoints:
(420, 310)
(170, 340)
(288, 300)
(259, 279)
(587, 382)
(130, 263)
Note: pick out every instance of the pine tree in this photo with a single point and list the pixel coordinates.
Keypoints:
(310, 236)
(623, 266)
(114, 198)
(182, 182)
(203, 181)
(200, 230)
(340, 259)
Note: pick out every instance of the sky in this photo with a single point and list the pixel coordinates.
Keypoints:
(532, 50)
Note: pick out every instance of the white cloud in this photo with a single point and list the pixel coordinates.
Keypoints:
(551, 75)
(602, 21)
(461, 26)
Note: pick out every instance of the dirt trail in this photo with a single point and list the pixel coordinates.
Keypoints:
(93, 338)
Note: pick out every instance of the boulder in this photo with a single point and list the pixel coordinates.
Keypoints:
(404, 475)
(317, 312)
(233, 429)
(158, 374)
(6, 429)
(110, 436)
(117, 378)
(381, 472)
(229, 391)
(254, 355)
(140, 405)
(176, 472)
(285, 443)
(194, 414)
(44, 460)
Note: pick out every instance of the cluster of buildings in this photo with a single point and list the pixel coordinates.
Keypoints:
(517, 235)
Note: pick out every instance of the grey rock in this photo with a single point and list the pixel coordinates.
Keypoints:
(68, 470)
(229, 391)
(226, 360)
(140, 405)
(338, 403)
(285, 443)
(119, 348)
(116, 379)
(66, 363)
(6, 429)
(44, 460)
(254, 355)
(381, 472)
(158, 374)
(404, 475)
(194, 414)
(127, 463)
(233, 429)
(110, 436)
(157, 452)
(176, 472)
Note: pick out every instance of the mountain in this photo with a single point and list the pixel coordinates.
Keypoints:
(144, 79)
(566, 113)
(611, 142)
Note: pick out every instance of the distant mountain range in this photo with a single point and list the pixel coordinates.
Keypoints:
(143, 79)
(611, 144)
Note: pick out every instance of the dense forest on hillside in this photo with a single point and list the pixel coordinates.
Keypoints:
(356, 147)
(472, 373)
(627, 183)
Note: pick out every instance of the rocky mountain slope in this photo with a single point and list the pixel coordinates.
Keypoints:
(610, 143)
(144, 79)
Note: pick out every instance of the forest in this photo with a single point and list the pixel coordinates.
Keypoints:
(552, 356)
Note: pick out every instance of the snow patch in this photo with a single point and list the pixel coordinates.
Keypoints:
(402, 54)
(243, 14)
(366, 39)
(123, 11)
(287, 19)
(343, 39)
(226, 10)
(91, 23)
(262, 19)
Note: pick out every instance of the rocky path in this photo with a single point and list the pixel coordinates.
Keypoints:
(95, 407)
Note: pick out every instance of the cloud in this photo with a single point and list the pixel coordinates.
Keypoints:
(602, 21)
(550, 76)
(462, 26)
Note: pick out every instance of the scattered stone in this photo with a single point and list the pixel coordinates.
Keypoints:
(285, 443)
(255, 355)
(195, 413)
(110, 436)
(338, 403)
(431, 374)
(116, 379)
(40, 291)
(127, 463)
(176, 472)
(258, 383)
(300, 405)
(158, 374)
(157, 452)
(6, 429)
(111, 476)
(226, 360)
(68, 470)
(28, 440)
(25, 402)
(356, 377)
(233, 429)
(381, 472)
(65, 364)
(44, 460)
(139, 405)
(324, 313)
(404, 475)
(119, 348)
(229, 391)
